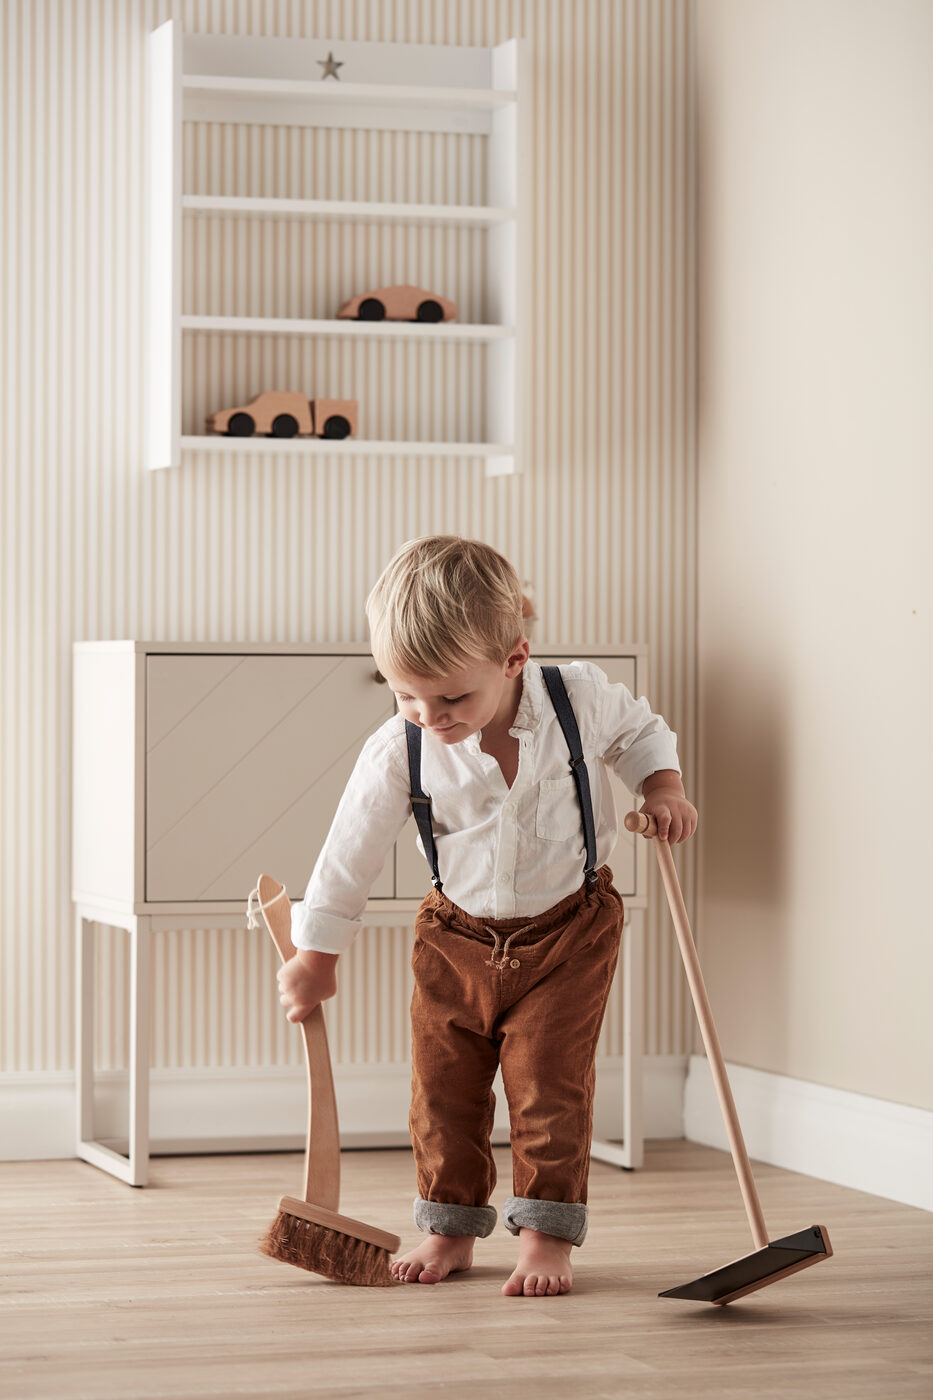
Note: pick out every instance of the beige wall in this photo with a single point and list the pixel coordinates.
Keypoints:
(815, 177)
(93, 546)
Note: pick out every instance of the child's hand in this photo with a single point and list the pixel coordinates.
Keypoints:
(666, 801)
(305, 981)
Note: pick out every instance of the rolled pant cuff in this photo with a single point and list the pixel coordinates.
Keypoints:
(436, 1218)
(565, 1219)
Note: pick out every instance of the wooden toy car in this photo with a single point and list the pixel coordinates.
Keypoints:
(399, 304)
(335, 418)
(282, 414)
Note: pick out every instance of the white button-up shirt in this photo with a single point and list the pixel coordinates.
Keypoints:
(502, 852)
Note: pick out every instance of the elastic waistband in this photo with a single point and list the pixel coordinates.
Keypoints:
(540, 924)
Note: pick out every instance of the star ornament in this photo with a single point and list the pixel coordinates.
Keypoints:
(330, 67)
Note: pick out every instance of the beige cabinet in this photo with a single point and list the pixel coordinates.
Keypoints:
(197, 766)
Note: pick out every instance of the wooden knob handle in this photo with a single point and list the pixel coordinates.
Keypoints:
(276, 911)
(640, 824)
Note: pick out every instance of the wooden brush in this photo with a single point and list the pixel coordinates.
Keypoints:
(308, 1232)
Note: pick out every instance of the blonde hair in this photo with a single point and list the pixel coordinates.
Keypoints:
(442, 602)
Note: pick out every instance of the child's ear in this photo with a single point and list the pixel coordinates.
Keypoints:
(517, 658)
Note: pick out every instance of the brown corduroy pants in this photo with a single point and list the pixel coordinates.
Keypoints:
(527, 995)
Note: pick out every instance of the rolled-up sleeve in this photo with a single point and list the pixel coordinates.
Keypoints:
(375, 805)
(633, 740)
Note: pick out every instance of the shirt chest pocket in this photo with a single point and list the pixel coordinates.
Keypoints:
(558, 815)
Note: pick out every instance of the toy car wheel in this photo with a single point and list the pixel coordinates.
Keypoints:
(284, 426)
(336, 426)
(241, 425)
(430, 311)
(372, 309)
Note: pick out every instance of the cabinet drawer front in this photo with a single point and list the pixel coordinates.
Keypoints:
(412, 874)
(246, 759)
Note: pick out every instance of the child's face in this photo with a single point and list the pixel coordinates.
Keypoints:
(481, 695)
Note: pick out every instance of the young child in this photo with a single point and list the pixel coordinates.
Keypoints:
(516, 945)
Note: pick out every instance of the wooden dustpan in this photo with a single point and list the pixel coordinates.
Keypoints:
(770, 1260)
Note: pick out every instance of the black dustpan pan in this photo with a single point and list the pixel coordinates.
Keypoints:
(770, 1260)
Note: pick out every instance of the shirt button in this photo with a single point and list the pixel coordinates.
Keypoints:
(515, 963)
(503, 879)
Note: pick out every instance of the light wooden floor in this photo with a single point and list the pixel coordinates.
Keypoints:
(107, 1291)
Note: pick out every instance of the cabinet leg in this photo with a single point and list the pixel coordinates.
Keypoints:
(633, 1041)
(133, 1168)
(139, 1053)
(84, 1025)
(630, 1152)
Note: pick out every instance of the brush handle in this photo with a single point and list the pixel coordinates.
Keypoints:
(322, 1148)
(642, 824)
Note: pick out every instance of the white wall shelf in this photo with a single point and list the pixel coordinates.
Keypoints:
(389, 88)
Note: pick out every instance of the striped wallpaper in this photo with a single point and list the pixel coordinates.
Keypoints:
(602, 520)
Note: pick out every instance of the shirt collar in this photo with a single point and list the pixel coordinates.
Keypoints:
(531, 704)
(528, 715)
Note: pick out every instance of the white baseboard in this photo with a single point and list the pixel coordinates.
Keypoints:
(850, 1139)
(265, 1109)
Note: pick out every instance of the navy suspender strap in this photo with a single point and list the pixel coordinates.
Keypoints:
(568, 723)
(420, 802)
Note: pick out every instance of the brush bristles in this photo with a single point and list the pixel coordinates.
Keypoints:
(328, 1252)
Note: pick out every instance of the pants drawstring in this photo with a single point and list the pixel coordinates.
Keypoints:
(500, 951)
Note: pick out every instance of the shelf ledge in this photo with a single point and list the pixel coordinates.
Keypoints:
(345, 447)
(375, 94)
(357, 211)
(347, 329)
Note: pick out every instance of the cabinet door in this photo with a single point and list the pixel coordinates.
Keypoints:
(247, 757)
(413, 879)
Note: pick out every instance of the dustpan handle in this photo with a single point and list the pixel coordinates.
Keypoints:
(641, 823)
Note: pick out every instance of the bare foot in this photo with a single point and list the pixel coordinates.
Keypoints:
(543, 1267)
(433, 1259)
